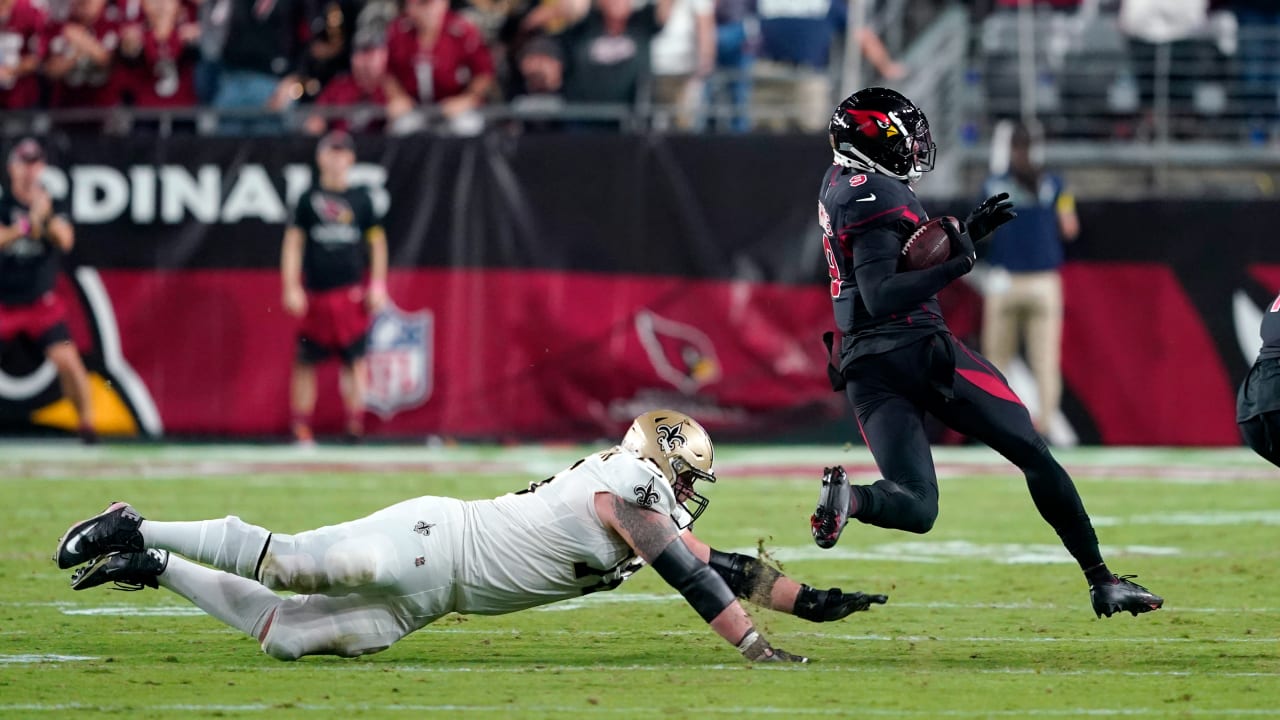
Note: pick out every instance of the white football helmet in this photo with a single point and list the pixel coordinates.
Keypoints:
(678, 447)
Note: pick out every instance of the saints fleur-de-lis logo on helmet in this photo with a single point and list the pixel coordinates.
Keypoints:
(680, 448)
(670, 437)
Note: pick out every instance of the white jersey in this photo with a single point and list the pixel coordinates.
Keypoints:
(546, 543)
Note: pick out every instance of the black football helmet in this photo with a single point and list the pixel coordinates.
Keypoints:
(879, 130)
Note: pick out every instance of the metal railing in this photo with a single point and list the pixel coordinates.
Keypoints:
(1104, 98)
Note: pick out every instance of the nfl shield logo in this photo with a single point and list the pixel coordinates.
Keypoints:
(399, 361)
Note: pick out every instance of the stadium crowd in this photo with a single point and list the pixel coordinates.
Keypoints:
(381, 59)
(245, 56)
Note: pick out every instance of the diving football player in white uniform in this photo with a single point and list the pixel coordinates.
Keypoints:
(367, 583)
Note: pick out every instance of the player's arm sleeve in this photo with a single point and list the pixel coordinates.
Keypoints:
(885, 290)
(655, 538)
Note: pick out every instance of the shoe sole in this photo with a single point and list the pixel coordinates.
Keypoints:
(81, 576)
(1135, 611)
(823, 514)
(70, 560)
(826, 542)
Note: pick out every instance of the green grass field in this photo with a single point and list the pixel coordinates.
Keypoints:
(987, 617)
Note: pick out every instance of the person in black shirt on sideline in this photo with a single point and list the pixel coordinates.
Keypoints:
(333, 236)
(34, 234)
(897, 360)
(1258, 403)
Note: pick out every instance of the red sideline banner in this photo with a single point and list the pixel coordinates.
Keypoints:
(497, 354)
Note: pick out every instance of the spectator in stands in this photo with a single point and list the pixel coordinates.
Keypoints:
(737, 36)
(683, 55)
(1023, 299)
(607, 53)
(213, 17)
(329, 52)
(540, 64)
(265, 45)
(21, 50)
(162, 53)
(538, 83)
(1259, 53)
(368, 83)
(439, 58)
(792, 73)
(81, 61)
(1151, 24)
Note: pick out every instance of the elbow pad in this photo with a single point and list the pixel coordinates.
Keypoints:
(698, 583)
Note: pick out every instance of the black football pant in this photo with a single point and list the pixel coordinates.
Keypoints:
(1262, 433)
(890, 394)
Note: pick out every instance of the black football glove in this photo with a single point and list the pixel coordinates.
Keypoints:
(831, 605)
(756, 649)
(991, 214)
(961, 245)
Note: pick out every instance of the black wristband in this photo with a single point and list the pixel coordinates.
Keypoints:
(810, 604)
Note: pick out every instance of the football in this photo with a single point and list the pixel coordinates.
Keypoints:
(928, 245)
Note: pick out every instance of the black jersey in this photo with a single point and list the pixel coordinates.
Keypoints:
(865, 218)
(1271, 331)
(28, 265)
(335, 226)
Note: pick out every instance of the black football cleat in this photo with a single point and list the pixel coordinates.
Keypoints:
(1120, 594)
(128, 570)
(112, 530)
(832, 514)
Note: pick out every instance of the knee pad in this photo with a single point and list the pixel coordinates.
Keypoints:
(318, 625)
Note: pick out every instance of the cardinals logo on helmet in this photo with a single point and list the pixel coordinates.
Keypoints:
(872, 123)
(681, 354)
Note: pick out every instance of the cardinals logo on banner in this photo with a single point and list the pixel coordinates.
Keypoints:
(682, 354)
(30, 393)
(400, 361)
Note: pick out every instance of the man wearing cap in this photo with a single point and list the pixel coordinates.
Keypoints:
(34, 233)
(334, 234)
(368, 83)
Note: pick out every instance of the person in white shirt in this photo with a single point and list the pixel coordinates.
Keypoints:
(683, 54)
(365, 584)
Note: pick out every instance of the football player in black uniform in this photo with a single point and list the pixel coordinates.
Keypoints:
(897, 360)
(1258, 403)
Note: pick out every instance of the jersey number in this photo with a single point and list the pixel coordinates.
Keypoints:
(832, 269)
(609, 579)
